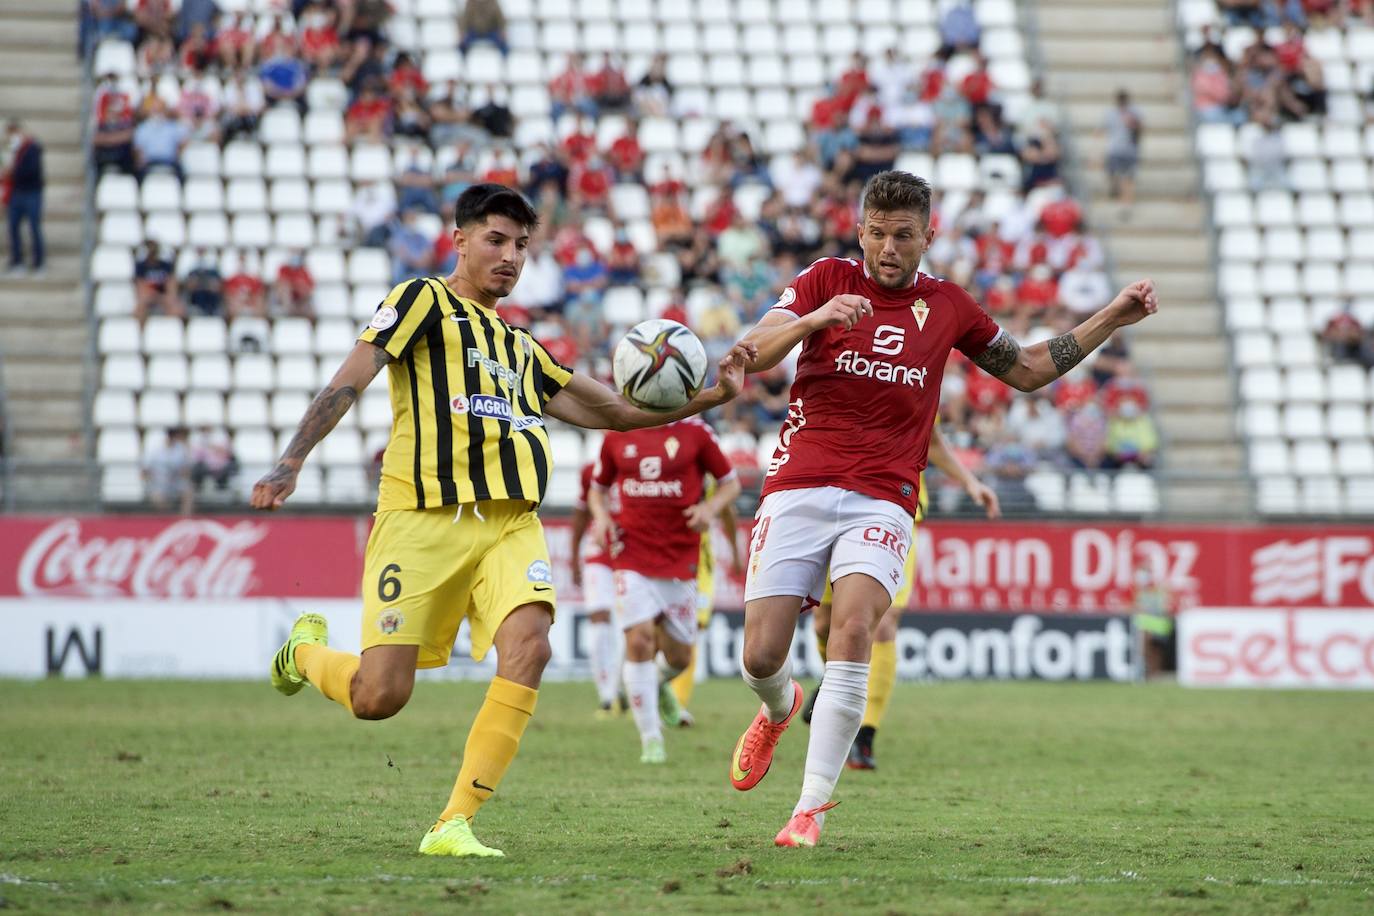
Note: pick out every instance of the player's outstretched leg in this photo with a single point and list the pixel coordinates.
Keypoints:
(859, 601)
(769, 624)
(309, 629)
(522, 649)
(306, 657)
(604, 650)
(673, 658)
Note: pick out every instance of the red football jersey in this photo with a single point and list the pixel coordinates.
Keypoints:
(660, 472)
(864, 400)
(592, 552)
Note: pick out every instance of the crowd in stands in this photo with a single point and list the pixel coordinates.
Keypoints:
(728, 233)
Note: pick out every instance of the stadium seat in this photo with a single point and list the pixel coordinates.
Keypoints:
(122, 483)
(241, 159)
(116, 192)
(1089, 493)
(1135, 493)
(113, 407)
(1047, 487)
(168, 371)
(287, 408)
(1268, 457)
(118, 446)
(123, 371)
(280, 124)
(113, 299)
(1277, 495)
(1261, 420)
(210, 372)
(1347, 383)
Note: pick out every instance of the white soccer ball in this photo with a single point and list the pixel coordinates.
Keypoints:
(659, 365)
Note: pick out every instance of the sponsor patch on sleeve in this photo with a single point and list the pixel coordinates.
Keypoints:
(539, 571)
(385, 318)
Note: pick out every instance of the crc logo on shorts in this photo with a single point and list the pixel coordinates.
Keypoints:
(890, 541)
(386, 316)
(390, 621)
(906, 490)
(539, 571)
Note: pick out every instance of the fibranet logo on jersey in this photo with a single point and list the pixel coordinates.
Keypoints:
(853, 363)
(651, 489)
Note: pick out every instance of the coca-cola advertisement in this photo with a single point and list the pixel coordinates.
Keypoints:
(151, 557)
(961, 566)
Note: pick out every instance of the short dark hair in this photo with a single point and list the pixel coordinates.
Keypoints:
(482, 200)
(889, 191)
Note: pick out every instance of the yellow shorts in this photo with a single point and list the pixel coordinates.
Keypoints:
(427, 569)
(706, 597)
(908, 575)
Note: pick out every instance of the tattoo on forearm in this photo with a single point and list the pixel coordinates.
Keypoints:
(1066, 352)
(381, 358)
(324, 412)
(1000, 356)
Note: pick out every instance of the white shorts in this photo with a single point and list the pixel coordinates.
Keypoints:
(671, 602)
(800, 534)
(598, 587)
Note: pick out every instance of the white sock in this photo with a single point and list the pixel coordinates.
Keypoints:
(641, 683)
(602, 649)
(775, 690)
(835, 722)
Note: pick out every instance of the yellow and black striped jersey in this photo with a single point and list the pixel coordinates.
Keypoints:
(467, 399)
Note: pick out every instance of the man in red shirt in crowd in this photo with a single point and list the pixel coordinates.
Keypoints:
(840, 493)
(580, 142)
(626, 155)
(295, 288)
(654, 551)
(978, 86)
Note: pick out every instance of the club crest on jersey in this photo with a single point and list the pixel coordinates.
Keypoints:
(921, 311)
(539, 571)
(788, 296)
(390, 621)
(671, 446)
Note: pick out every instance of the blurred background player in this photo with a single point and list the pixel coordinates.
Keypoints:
(591, 572)
(685, 683)
(661, 474)
(840, 494)
(882, 672)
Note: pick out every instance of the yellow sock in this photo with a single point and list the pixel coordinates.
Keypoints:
(882, 673)
(330, 670)
(686, 682)
(820, 646)
(492, 743)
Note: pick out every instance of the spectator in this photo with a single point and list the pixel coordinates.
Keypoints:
(1008, 464)
(1037, 109)
(589, 184)
(212, 458)
(320, 45)
(457, 174)
(1113, 361)
(672, 224)
(197, 52)
(244, 102)
(158, 141)
(580, 141)
(541, 282)
(1034, 422)
(853, 82)
(622, 262)
(278, 42)
(412, 252)
(406, 76)
(502, 168)
(237, 46)
(155, 285)
(830, 128)
(369, 117)
(569, 90)
(1040, 158)
(1084, 290)
(586, 277)
(653, 96)
(626, 155)
(609, 88)
(245, 295)
(914, 118)
(167, 473)
(978, 86)
(153, 18)
(24, 182)
(1347, 342)
(953, 122)
(740, 244)
(990, 135)
(196, 12)
(1122, 127)
(1267, 158)
(1132, 438)
(483, 20)
(1213, 92)
(959, 30)
(892, 78)
(1257, 14)
(546, 168)
(156, 57)
(294, 291)
(203, 286)
(1086, 441)
(374, 204)
(1301, 93)
(284, 79)
(111, 19)
(412, 118)
(495, 116)
(416, 185)
(451, 120)
(797, 176)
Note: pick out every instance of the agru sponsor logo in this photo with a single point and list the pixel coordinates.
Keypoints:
(1319, 568)
(190, 558)
(1025, 646)
(491, 407)
(1289, 647)
(495, 369)
(853, 363)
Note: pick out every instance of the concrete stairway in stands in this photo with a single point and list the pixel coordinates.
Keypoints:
(44, 346)
(1090, 50)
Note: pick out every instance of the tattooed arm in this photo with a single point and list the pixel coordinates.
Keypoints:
(1036, 366)
(359, 368)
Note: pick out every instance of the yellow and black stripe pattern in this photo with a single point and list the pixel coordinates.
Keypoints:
(467, 399)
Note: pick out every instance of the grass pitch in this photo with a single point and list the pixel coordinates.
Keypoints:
(174, 797)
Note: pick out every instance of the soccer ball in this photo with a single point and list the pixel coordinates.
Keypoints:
(659, 365)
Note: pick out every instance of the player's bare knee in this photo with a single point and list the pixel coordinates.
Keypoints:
(380, 701)
(677, 654)
(763, 661)
(528, 659)
(640, 644)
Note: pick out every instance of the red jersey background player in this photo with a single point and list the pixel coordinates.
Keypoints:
(842, 486)
(591, 571)
(654, 553)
